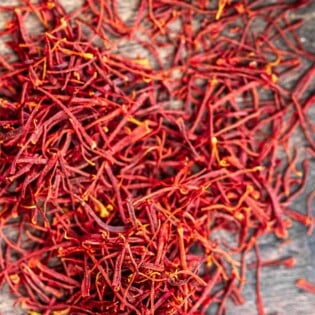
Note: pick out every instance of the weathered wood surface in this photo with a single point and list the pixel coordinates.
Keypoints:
(279, 293)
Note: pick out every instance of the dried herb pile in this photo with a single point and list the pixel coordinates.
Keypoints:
(137, 183)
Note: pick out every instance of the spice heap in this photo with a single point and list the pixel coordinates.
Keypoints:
(139, 184)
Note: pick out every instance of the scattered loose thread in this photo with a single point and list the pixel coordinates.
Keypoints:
(139, 184)
(305, 285)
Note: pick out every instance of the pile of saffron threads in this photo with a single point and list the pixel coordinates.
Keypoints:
(138, 182)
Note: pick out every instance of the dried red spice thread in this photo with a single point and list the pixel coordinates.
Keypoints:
(305, 285)
(286, 262)
(122, 197)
